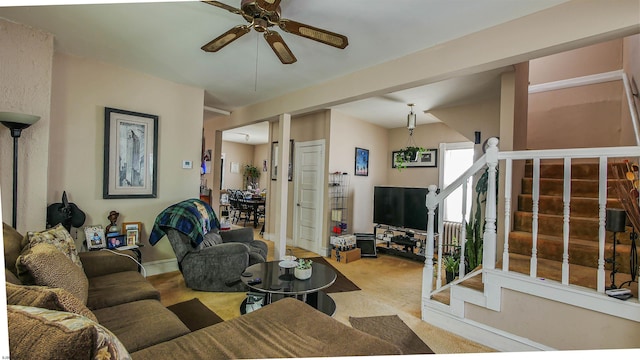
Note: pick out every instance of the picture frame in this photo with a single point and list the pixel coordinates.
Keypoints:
(428, 158)
(130, 154)
(132, 231)
(274, 160)
(361, 162)
(94, 236)
(116, 241)
(132, 237)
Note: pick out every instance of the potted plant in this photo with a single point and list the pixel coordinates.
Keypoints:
(251, 175)
(406, 155)
(451, 266)
(303, 269)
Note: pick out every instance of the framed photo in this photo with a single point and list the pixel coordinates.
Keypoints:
(274, 160)
(132, 232)
(116, 241)
(362, 162)
(130, 154)
(94, 236)
(132, 237)
(428, 158)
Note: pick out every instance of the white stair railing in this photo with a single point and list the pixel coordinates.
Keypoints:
(490, 160)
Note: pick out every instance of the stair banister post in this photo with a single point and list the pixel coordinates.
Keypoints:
(489, 238)
(427, 273)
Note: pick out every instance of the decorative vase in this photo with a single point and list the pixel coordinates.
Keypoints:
(302, 274)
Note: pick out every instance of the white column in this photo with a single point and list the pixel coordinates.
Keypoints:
(507, 212)
(282, 187)
(566, 200)
(427, 272)
(489, 239)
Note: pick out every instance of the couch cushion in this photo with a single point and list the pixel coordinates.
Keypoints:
(48, 298)
(43, 264)
(13, 244)
(119, 288)
(59, 237)
(36, 333)
(140, 324)
(287, 328)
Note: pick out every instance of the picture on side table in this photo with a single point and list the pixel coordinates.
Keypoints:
(94, 236)
(132, 231)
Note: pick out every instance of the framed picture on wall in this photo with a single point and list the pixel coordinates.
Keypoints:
(274, 160)
(130, 154)
(362, 162)
(427, 158)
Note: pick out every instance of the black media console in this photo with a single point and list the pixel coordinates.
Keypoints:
(401, 242)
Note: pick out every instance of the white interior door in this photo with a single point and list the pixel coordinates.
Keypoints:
(308, 195)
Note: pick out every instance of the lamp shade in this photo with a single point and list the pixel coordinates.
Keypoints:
(616, 220)
(14, 120)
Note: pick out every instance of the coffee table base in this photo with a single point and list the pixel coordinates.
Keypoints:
(318, 300)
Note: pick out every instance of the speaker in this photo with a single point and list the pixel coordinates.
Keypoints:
(616, 220)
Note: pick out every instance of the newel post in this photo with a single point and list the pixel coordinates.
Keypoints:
(427, 272)
(489, 238)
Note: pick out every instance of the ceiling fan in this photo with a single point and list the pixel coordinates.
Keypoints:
(263, 14)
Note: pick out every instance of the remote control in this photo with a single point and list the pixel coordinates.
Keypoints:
(255, 281)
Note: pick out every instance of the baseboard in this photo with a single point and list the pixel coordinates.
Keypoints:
(160, 266)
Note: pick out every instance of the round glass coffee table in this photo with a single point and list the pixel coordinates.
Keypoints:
(279, 282)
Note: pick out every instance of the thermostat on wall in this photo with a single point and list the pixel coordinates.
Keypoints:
(187, 164)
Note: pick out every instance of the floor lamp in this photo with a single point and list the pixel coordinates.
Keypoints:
(16, 122)
(615, 222)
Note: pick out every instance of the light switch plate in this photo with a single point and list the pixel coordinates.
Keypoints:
(187, 164)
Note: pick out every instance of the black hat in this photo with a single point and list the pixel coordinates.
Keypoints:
(65, 213)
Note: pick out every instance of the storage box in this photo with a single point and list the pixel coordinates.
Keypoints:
(346, 256)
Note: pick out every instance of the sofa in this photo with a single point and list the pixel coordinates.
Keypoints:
(62, 304)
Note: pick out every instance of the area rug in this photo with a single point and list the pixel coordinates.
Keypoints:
(342, 283)
(392, 329)
(195, 314)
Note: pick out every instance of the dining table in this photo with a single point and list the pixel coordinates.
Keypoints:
(254, 203)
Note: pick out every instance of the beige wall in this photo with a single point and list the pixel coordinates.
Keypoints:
(427, 136)
(81, 89)
(242, 154)
(26, 71)
(347, 133)
(585, 116)
(574, 329)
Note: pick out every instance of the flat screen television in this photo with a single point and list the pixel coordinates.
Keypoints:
(400, 207)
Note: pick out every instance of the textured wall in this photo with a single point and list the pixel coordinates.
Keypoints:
(25, 87)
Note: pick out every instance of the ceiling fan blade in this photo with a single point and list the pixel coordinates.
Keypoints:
(224, 6)
(314, 33)
(268, 5)
(224, 39)
(279, 47)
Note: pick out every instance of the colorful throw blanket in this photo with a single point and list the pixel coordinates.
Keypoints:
(192, 217)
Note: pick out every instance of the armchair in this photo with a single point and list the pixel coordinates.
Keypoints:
(208, 259)
(210, 268)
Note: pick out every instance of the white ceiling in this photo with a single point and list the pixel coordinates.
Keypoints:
(163, 39)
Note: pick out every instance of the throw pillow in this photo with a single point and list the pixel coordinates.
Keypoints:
(60, 238)
(48, 298)
(44, 264)
(36, 333)
(13, 244)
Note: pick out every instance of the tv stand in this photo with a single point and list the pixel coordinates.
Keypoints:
(402, 242)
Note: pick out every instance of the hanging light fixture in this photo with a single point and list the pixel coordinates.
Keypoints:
(411, 120)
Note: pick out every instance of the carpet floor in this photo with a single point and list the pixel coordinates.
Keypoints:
(392, 329)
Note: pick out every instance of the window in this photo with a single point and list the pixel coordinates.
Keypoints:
(456, 159)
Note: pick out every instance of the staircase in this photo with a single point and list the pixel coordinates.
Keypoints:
(583, 223)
